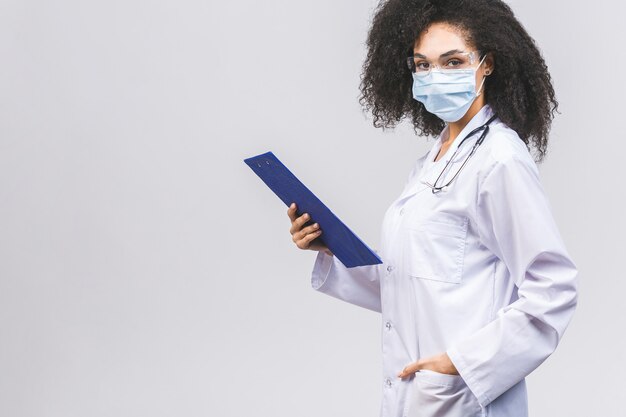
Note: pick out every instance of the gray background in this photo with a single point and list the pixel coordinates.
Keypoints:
(146, 271)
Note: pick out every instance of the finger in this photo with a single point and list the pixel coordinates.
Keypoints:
(304, 232)
(291, 211)
(296, 225)
(409, 370)
(306, 241)
(310, 237)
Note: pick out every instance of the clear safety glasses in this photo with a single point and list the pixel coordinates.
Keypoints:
(452, 60)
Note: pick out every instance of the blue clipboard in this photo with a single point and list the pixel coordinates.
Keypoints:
(343, 243)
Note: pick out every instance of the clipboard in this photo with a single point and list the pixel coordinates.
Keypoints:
(342, 241)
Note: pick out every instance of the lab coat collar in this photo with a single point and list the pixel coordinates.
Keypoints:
(479, 118)
(430, 169)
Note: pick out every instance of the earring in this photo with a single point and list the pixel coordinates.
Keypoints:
(487, 72)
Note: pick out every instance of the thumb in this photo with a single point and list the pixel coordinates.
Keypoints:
(410, 369)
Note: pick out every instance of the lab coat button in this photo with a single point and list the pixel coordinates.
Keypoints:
(401, 211)
(389, 268)
(388, 326)
(388, 382)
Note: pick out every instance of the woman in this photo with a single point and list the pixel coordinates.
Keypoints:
(477, 288)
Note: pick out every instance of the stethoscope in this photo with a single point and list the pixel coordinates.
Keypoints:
(485, 129)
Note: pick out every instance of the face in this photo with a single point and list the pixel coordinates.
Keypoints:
(443, 46)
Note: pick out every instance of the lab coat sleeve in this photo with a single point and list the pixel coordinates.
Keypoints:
(359, 285)
(514, 221)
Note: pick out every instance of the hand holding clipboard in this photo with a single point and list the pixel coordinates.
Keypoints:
(343, 243)
(307, 233)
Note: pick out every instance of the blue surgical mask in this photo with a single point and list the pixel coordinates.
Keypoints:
(448, 93)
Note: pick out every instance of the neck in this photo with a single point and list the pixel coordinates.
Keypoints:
(454, 128)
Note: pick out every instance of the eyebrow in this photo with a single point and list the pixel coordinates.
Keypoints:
(445, 54)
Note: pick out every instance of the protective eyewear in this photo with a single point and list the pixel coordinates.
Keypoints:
(450, 61)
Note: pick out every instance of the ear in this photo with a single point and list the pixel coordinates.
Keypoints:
(489, 65)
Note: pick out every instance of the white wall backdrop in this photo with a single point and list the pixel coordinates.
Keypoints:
(146, 271)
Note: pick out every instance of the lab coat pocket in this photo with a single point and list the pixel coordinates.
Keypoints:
(437, 249)
(442, 395)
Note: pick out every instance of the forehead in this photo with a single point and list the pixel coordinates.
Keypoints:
(439, 38)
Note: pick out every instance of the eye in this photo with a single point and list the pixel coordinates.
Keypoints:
(422, 66)
(454, 62)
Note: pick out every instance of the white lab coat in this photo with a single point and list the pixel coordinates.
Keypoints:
(478, 271)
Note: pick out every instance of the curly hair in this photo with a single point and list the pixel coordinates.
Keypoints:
(520, 89)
